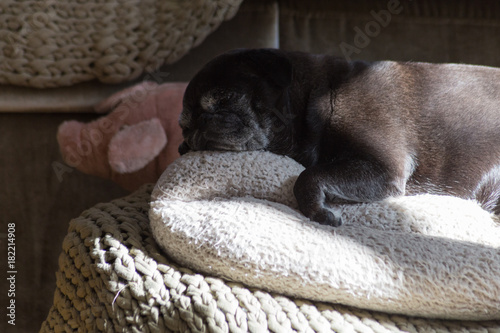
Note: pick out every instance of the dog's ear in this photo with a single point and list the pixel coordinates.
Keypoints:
(272, 65)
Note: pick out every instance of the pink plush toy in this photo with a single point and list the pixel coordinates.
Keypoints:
(135, 142)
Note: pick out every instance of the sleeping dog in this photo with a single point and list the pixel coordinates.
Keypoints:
(364, 131)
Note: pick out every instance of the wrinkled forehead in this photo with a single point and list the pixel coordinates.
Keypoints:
(224, 73)
(207, 93)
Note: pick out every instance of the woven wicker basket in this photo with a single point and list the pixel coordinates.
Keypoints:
(113, 278)
(59, 43)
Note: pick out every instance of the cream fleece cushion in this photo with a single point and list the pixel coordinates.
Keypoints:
(234, 215)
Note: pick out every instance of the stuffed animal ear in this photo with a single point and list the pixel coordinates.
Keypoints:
(133, 147)
(272, 65)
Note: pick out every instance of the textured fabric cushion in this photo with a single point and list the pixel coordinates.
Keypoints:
(233, 215)
(113, 277)
(60, 43)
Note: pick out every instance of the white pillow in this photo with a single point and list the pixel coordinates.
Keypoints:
(234, 215)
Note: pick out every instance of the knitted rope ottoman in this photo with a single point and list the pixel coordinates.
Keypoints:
(61, 43)
(113, 278)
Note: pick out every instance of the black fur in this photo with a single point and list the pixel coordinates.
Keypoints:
(364, 131)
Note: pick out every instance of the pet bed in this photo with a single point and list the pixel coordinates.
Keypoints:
(234, 215)
(60, 43)
(113, 277)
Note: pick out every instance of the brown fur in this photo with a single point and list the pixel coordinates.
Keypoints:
(364, 131)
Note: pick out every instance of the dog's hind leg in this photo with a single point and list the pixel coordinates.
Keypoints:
(487, 192)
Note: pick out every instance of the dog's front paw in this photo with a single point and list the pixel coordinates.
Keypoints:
(326, 216)
(310, 194)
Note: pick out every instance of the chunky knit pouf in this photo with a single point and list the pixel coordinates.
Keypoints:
(114, 278)
(60, 43)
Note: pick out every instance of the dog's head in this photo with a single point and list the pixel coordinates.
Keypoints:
(231, 103)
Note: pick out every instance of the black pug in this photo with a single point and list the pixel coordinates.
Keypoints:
(364, 131)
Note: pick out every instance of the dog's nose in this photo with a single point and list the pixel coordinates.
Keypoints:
(183, 148)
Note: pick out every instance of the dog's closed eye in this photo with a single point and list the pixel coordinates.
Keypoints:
(224, 97)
